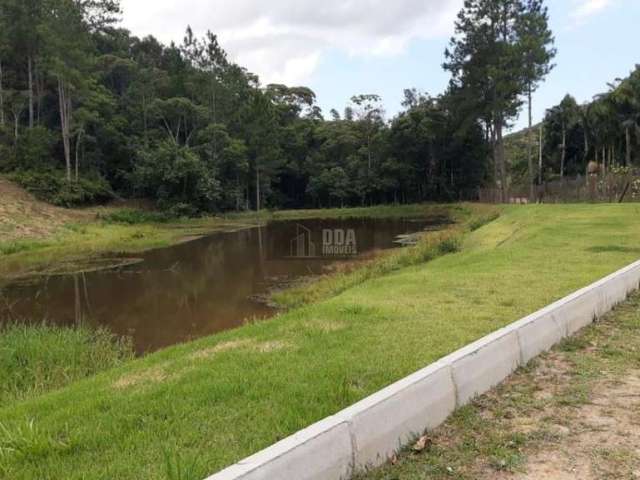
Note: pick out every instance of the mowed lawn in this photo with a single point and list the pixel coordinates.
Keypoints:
(208, 404)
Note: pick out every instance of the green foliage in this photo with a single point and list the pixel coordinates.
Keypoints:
(221, 141)
(40, 358)
(449, 245)
(52, 186)
(501, 50)
(131, 216)
(35, 148)
(605, 131)
(178, 178)
(32, 150)
(187, 128)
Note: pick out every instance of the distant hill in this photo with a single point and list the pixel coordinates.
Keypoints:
(516, 151)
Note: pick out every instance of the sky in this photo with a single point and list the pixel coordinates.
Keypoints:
(340, 48)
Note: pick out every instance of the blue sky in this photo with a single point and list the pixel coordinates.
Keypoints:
(344, 47)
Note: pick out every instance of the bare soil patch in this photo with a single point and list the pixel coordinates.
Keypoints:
(23, 216)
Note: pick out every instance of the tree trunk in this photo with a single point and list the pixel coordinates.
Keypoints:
(39, 89)
(530, 146)
(1, 98)
(30, 82)
(369, 160)
(611, 154)
(494, 148)
(214, 116)
(257, 189)
(564, 150)
(237, 193)
(78, 144)
(431, 167)
(586, 147)
(627, 159)
(144, 118)
(501, 160)
(540, 159)
(65, 114)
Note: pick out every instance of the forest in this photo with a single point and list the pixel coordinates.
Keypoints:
(604, 133)
(89, 112)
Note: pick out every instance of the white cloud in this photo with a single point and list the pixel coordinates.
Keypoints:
(284, 40)
(583, 9)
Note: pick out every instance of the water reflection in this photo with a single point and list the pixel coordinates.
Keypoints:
(201, 287)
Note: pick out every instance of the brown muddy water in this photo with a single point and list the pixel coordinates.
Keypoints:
(204, 286)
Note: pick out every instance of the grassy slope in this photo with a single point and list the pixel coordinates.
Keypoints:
(218, 399)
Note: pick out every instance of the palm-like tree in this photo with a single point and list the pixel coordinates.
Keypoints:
(625, 98)
(567, 113)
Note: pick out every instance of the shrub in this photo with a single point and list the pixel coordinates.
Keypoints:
(180, 210)
(35, 148)
(449, 245)
(131, 216)
(180, 181)
(52, 186)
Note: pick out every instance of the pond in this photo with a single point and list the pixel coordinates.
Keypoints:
(207, 285)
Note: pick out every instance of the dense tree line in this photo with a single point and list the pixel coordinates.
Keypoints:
(88, 110)
(605, 131)
(600, 136)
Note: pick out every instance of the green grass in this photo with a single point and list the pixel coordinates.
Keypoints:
(224, 397)
(429, 247)
(379, 211)
(77, 243)
(132, 216)
(17, 246)
(37, 359)
(487, 437)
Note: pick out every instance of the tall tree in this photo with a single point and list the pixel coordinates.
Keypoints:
(262, 140)
(4, 49)
(484, 59)
(627, 107)
(188, 128)
(536, 44)
(67, 54)
(369, 116)
(68, 26)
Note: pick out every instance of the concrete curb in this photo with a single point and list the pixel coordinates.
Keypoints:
(369, 432)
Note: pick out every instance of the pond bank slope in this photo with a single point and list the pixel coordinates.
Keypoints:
(209, 403)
